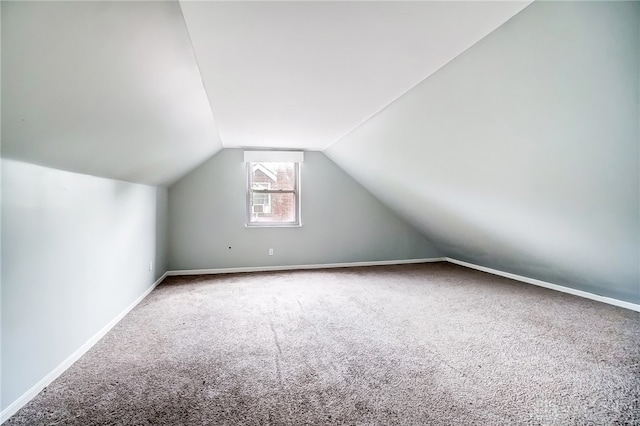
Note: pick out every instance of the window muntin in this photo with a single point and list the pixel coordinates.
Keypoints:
(273, 194)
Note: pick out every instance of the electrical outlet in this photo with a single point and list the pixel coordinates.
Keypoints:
(270, 252)
(151, 265)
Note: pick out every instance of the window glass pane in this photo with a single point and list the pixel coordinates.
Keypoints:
(273, 208)
(273, 176)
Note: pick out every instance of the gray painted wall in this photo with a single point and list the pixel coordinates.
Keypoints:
(522, 153)
(341, 221)
(75, 253)
(161, 264)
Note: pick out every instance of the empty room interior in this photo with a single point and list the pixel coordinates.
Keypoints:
(320, 212)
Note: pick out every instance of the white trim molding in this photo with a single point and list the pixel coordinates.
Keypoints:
(539, 283)
(274, 156)
(298, 267)
(64, 365)
(56, 372)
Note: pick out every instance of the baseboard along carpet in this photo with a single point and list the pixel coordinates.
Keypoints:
(432, 344)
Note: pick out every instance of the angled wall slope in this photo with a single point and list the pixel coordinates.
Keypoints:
(110, 89)
(522, 153)
(342, 222)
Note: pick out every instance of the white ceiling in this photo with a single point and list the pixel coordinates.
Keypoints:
(303, 74)
(105, 88)
(114, 89)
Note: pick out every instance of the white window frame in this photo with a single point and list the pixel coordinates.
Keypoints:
(295, 191)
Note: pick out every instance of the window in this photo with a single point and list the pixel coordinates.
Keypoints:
(273, 189)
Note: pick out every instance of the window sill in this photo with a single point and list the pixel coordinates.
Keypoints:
(273, 225)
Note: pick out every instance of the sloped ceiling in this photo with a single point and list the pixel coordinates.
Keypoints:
(303, 74)
(105, 88)
(522, 154)
(117, 89)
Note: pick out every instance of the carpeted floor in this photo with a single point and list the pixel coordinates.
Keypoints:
(430, 344)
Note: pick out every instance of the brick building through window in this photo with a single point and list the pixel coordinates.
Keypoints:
(273, 193)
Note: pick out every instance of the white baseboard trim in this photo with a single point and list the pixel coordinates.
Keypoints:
(587, 295)
(56, 372)
(297, 267)
(539, 283)
(64, 365)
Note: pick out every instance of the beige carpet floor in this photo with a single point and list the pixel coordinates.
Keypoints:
(429, 344)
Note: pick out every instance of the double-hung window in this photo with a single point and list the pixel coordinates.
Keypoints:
(273, 188)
